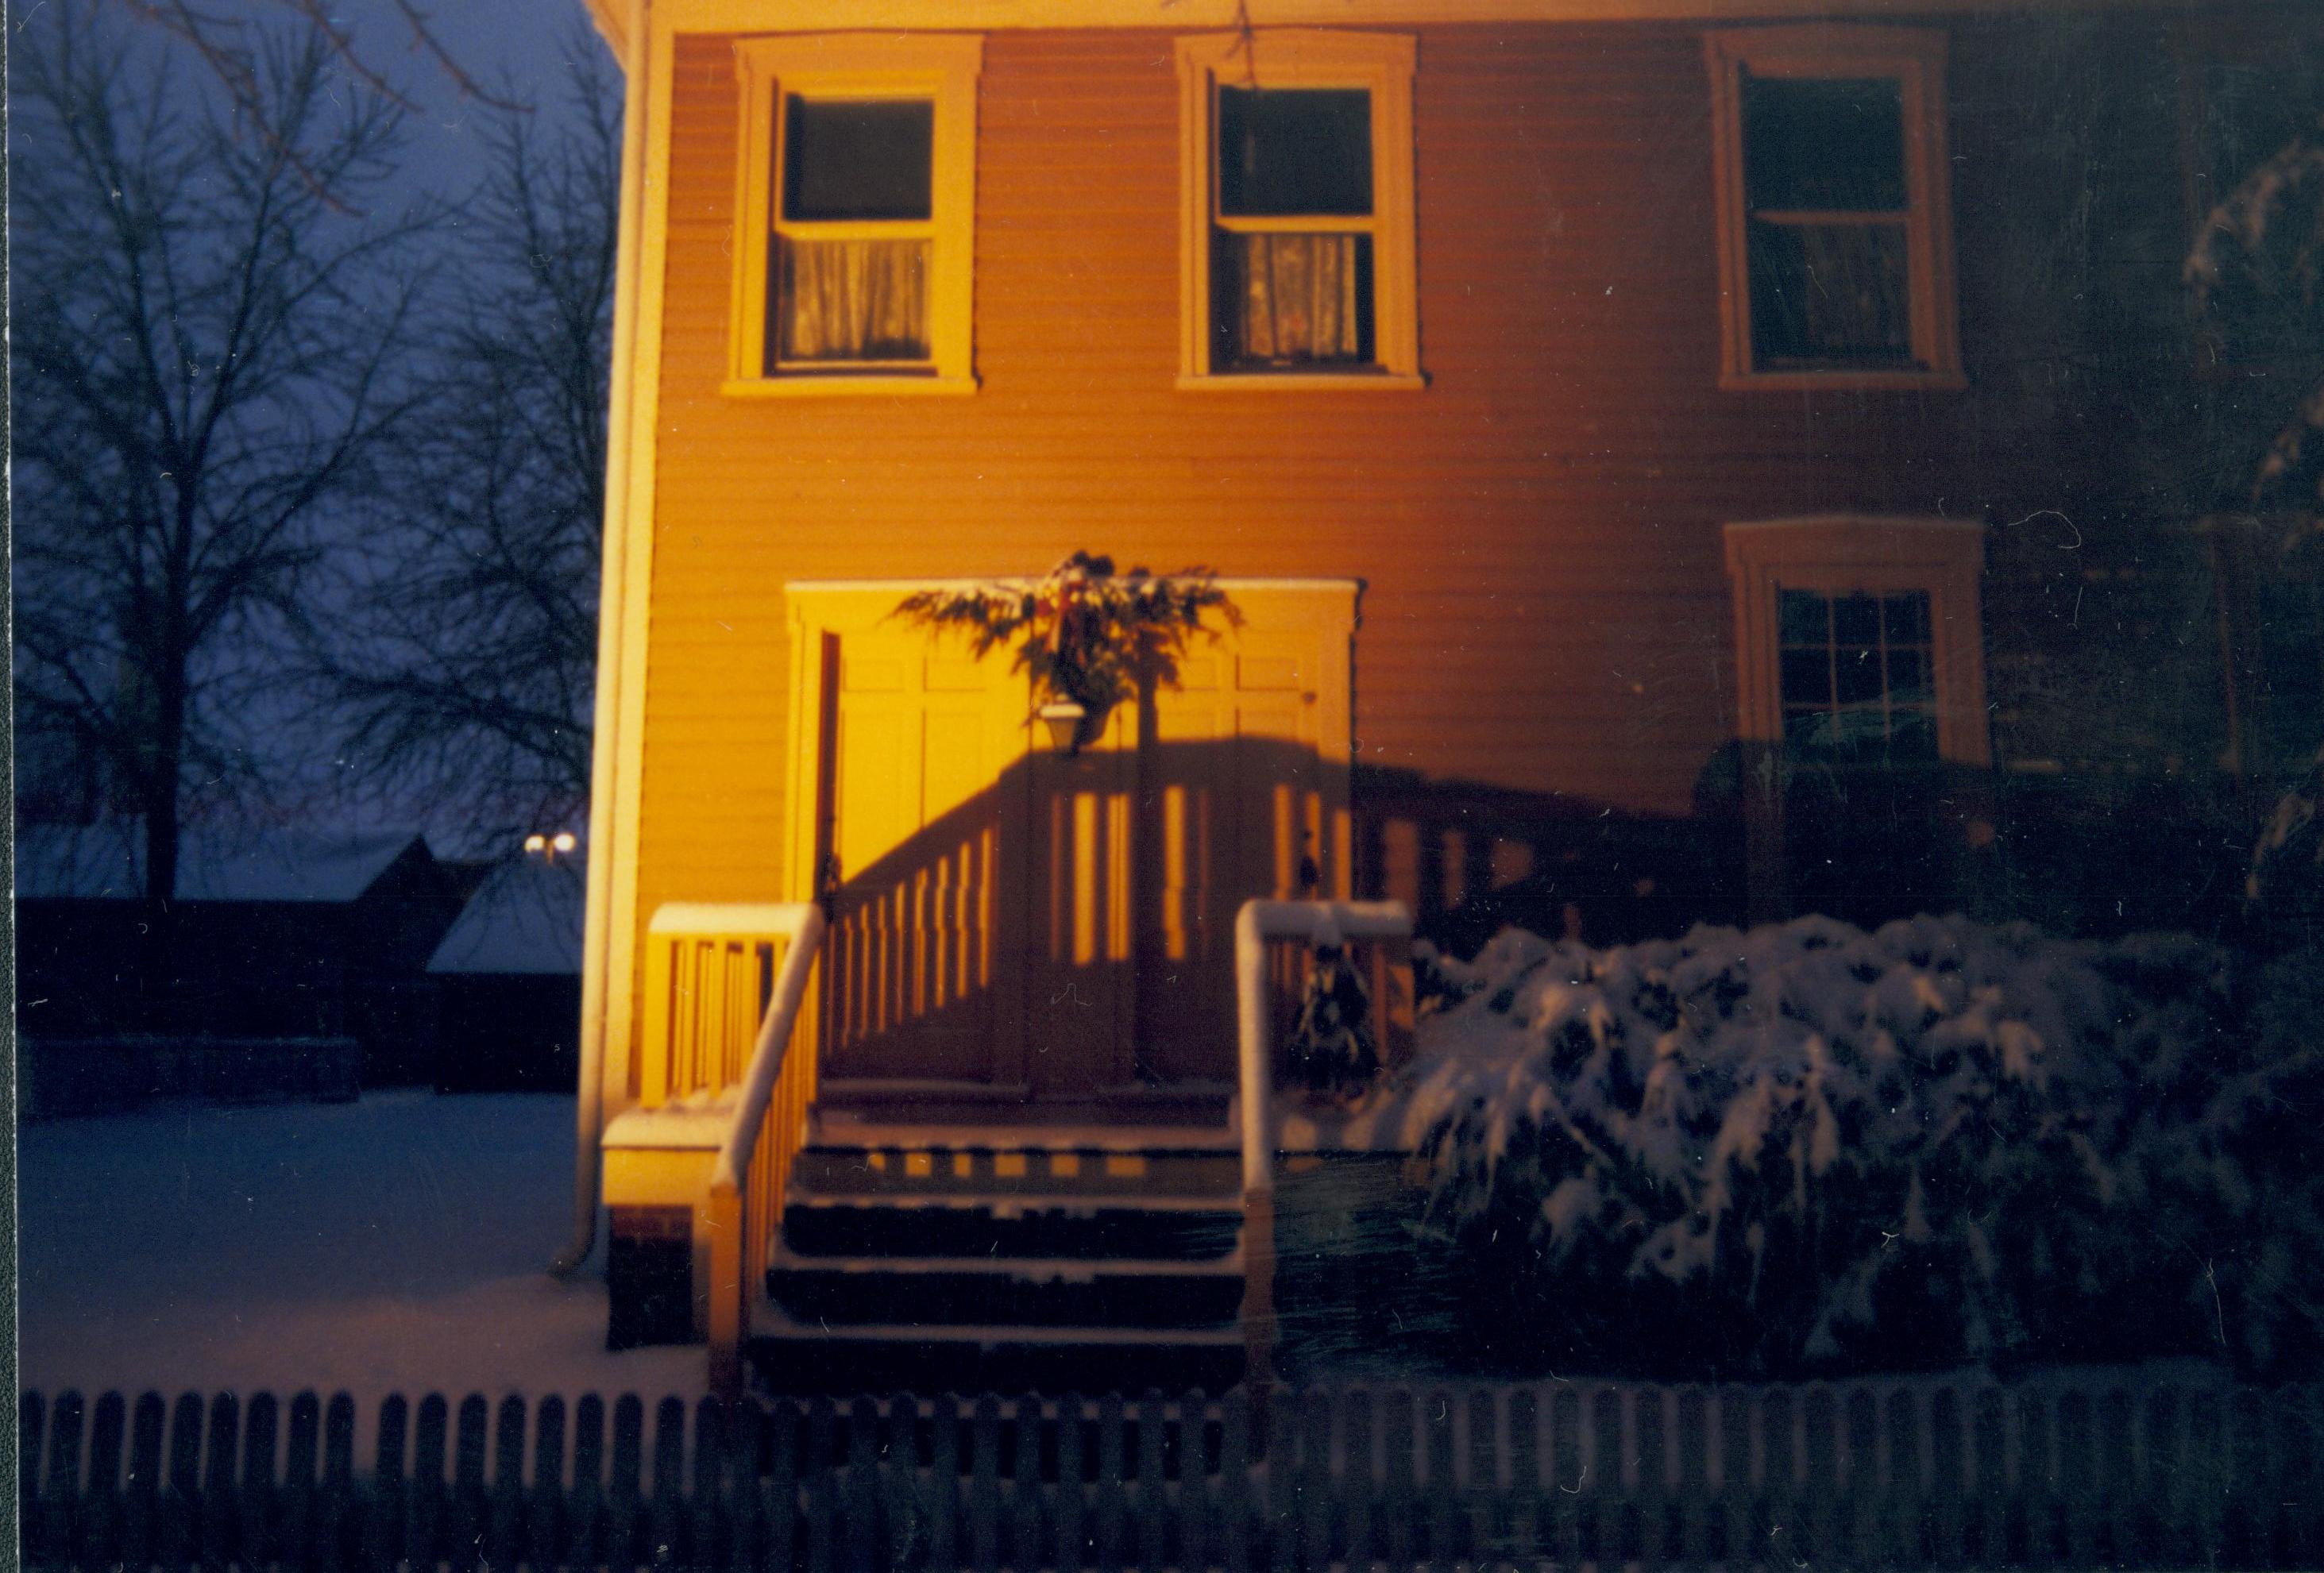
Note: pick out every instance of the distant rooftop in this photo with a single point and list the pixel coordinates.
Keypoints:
(526, 918)
(215, 863)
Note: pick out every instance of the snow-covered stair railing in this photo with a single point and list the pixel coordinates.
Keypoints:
(1315, 923)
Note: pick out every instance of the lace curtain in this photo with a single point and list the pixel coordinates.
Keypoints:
(1298, 297)
(854, 300)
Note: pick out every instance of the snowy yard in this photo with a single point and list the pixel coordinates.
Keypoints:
(393, 1245)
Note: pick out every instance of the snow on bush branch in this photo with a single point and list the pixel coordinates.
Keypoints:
(1806, 1144)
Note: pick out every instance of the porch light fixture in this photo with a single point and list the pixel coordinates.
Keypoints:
(1065, 719)
(538, 845)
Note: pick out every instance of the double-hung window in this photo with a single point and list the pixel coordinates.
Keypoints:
(1296, 214)
(1859, 641)
(855, 215)
(1835, 243)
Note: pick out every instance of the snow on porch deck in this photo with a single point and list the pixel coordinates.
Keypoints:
(393, 1245)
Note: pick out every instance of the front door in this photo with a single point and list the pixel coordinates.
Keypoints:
(1059, 927)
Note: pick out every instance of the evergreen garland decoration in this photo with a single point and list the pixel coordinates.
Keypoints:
(1083, 631)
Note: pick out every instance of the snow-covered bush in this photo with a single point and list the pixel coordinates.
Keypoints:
(1806, 1146)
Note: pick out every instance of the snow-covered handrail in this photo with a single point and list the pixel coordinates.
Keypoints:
(730, 1225)
(1317, 922)
(802, 922)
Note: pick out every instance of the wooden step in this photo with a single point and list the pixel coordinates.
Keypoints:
(1029, 1291)
(961, 1164)
(1080, 1227)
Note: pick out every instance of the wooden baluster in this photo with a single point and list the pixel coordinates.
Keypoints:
(586, 1521)
(99, 1543)
(425, 1503)
(2206, 1470)
(141, 1507)
(1442, 1523)
(778, 1512)
(708, 1518)
(901, 1496)
(342, 1499)
(1951, 1482)
(1318, 1488)
(1733, 1526)
(943, 1484)
(859, 1503)
(2250, 1496)
(1153, 1499)
(261, 1496)
(1283, 1437)
(2117, 1468)
(2044, 1502)
(1777, 1533)
(1819, 1410)
(1650, 1497)
(1071, 1537)
(2077, 1479)
(391, 1490)
(1234, 1525)
(217, 1516)
(297, 1534)
(626, 1538)
(1866, 1531)
(1026, 1498)
(815, 1474)
(504, 1511)
(1909, 1522)
(1990, 1509)
(1360, 1486)
(1568, 1465)
(545, 1519)
(1111, 1550)
(1603, 1497)
(984, 1487)
(60, 1503)
(1694, 1505)
(182, 1503)
(465, 1523)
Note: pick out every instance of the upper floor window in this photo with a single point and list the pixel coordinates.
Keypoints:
(1296, 239)
(1835, 242)
(855, 215)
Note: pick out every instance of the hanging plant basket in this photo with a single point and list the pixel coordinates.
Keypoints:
(1089, 638)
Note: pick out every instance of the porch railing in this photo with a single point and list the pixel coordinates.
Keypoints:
(1256, 926)
(726, 986)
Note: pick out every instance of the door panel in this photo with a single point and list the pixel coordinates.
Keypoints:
(925, 741)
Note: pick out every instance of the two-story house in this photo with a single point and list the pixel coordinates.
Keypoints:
(1672, 458)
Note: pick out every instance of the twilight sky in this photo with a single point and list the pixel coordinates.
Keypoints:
(520, 43)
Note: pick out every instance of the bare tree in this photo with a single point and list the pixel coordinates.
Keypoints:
(206, 365)
(466, 673)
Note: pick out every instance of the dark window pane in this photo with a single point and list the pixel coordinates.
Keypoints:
(1824, 144)
(1911, 737)
(1907, 675)
(1803, 617)
(1906, 617)
(1291, 300)
(1857, 675)
(1854, 621)
(1302, 150)
(1808, 731)
(1807, 677)
(856, 159)
(1828, 295)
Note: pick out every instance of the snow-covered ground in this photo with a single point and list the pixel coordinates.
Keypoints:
(392, 1245)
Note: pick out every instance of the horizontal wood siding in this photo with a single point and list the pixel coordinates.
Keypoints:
(1547, 612)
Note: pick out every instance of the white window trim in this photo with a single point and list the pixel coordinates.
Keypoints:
(1916, 58)
(1380, 63)
(941, 68)
(1848, 554)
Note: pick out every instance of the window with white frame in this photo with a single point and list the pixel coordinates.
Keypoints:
(1834, 230)
(855, 214)
(1296, 210)
(1859, 640)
